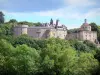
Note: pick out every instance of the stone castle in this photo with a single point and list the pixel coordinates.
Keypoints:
(48, 30)
(45, 30)
(84, 33)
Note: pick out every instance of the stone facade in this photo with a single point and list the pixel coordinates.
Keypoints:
(48, 30)
(84, 33)
(44, 31)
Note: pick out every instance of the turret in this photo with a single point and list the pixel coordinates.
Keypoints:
(24, 29)
(86, 26)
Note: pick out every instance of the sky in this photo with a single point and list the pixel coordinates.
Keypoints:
(70, 12)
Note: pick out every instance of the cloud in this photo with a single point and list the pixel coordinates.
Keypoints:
(68, 13)
(64, 13)
(93, 13)
(79, 2)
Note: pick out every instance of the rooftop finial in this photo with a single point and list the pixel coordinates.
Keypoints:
(85, 20)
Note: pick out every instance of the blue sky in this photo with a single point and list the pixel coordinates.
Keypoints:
(70, 12)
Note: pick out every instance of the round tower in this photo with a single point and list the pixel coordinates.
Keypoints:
(86, 26)
(24, 29)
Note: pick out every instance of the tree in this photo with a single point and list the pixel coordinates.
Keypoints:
(79, 46)
(6, 29)
(94, 27)
(58, 58)
(1, 17)
(55, 57)
(90, 44)
(23, 22)
(6, 53)
(75, 30)
(52, 56)
(37, 24)
(21, 60)
(13, 21)
(26, 60)
(24, 39)
(86, 65)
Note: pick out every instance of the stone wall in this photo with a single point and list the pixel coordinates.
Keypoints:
(40, 32)
(83, 35)
(89, 35)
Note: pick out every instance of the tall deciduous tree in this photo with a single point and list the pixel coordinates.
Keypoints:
(1, 17)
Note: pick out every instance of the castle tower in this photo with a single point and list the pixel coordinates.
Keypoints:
(86, 26)
(24, 29)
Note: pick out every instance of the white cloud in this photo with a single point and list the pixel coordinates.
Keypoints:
(93, 13)
(68, 12)
(71, 14)
(79, 2)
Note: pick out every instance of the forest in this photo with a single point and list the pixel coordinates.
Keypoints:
(25, 55)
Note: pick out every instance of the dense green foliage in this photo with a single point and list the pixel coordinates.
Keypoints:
(27, 56)
(75, 30)
(29, 23)
(57, 57)
(6, 29)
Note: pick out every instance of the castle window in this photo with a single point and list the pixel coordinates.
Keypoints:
(38, 34)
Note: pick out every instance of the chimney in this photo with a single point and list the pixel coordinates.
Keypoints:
(56, 23)
(51, 22)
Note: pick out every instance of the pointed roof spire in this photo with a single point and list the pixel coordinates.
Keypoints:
(85, 21)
